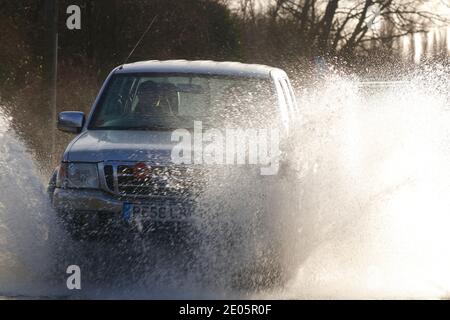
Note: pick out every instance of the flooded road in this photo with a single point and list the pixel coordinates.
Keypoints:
(374, 182)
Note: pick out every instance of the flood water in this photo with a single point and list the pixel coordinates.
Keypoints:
(373, 177)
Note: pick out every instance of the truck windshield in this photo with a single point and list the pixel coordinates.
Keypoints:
(171, 101)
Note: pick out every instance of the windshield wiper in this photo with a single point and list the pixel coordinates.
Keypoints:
(148, 128)
(137, 128)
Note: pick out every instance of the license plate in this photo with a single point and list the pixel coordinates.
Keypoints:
(156, 212)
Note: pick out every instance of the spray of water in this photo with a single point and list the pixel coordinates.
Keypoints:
(24, 242)
(372, 183)
(377, 194)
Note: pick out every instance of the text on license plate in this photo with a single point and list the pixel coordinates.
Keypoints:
(156, 212)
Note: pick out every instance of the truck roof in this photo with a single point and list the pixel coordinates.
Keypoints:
(200, 67)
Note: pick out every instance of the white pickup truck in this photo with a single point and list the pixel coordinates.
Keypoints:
(118, 173)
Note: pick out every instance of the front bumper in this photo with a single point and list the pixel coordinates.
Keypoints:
(98, 212)
(83, 200)
(72, 200)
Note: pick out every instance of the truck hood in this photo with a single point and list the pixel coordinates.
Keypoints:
(121, 145)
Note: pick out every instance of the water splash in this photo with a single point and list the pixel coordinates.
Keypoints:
(24, 209)
(373, 181)
(378, 189)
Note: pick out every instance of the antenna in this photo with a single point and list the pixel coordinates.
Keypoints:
(139, 41)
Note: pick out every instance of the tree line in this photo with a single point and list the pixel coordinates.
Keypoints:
(292, 30)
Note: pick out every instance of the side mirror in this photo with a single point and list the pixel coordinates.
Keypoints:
(71, 121)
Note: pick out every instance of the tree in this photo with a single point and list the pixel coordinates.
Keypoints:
(345, 27)
(189, 29)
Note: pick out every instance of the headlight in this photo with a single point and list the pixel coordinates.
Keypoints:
(78, 176)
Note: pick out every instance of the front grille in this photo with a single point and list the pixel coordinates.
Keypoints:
(164, 181)
(109, 177)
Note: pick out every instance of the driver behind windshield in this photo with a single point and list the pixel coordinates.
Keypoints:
(155, 99)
